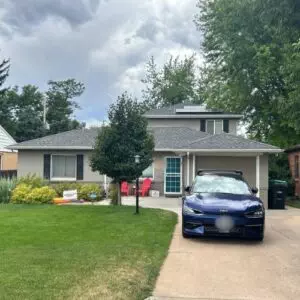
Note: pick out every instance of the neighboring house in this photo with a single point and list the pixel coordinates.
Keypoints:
(8, 158)
(187, 138)
(294, 155)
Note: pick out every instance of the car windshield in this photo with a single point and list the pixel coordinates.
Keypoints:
(212, 183)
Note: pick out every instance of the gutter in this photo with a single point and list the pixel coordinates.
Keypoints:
(218, 116)
(221, 150)
(16, 147)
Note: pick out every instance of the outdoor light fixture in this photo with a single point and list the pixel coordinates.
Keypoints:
(137, 192)
(137, 159)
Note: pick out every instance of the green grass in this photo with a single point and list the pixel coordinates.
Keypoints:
(293, 202)
(81, 252)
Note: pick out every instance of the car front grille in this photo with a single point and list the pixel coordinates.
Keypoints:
(214, 229)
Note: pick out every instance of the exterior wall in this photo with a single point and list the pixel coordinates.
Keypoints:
(189, 123)
(9, 161)
(33, 162)
(291, 157)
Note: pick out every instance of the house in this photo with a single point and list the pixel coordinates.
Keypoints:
(293, 156)
(8, 158)
(187, 138)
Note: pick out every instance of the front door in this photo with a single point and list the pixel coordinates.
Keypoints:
(173, 175)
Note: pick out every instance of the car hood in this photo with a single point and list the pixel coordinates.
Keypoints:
(232, 203)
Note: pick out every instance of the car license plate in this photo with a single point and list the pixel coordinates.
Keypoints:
(224, 224)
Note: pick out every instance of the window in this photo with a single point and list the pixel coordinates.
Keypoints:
(210, 126)
(173, 175)
(63, 167)
(216, 126)
(296, 166)
(148, 173)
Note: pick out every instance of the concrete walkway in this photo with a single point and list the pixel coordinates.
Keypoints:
(213, 268)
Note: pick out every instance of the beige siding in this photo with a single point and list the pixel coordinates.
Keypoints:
(188, 123)
(33, 162)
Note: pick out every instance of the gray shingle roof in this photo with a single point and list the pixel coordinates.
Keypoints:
(229, 141)
(166, 139)
(175, 137)
(74, 139)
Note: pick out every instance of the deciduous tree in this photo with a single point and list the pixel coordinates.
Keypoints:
(119, 142)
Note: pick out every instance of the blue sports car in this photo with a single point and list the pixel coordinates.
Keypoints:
(222, 203)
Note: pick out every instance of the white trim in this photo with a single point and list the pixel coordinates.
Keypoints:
(194, 116)
(258, 174)
(188, 168)
(221, 150)
(52, 178)
(105, 183)
(194, 166)
(165, 175)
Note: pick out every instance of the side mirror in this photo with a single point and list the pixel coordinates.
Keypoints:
(254, 191)
(188, 189)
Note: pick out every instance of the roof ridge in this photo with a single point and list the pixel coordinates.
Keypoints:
(201, 139)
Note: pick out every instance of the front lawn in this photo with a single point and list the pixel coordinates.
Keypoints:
(81, 252)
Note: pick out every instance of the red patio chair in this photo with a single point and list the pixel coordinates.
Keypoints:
(125, 188)
(146, 185)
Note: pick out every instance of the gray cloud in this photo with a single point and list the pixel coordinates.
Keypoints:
(25, 14)
(104, 44)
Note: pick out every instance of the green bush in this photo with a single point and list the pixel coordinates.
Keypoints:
(85, 190)
(42, 195)
(20, 194)
(26, 194)
(6, 187)
(33, 180)
(65, 186)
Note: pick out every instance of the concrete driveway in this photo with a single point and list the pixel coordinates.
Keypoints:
(233, 269)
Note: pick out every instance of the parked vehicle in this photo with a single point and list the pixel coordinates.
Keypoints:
(221, 203)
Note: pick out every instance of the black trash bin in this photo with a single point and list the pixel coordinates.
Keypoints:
(277, 194)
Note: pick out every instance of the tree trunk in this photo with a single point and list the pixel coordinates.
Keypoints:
(119, 193)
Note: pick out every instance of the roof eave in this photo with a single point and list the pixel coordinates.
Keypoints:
(219, 150)
(192, 116)
(19, 147)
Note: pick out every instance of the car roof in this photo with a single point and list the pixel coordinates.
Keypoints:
(220, 172)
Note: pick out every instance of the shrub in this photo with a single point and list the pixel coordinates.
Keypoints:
(6, 187)
(33, 180)
(85, 190)
(66, 186)
(26, 194)
(42, 195)
(20, 194)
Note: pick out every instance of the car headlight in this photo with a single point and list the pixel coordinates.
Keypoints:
(190, 211)
(256, 214)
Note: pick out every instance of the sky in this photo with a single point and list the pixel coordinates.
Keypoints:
(103, 43)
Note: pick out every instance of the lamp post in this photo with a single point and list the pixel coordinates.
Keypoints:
(137, 161)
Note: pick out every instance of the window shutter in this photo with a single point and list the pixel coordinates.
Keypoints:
(226, 126)
(203, 125)
(79, 175)
(47, 163)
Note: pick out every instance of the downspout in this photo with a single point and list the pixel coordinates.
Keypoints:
(188, 168)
